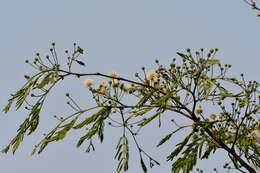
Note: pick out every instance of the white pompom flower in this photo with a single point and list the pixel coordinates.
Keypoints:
(88, 83)
(255, 135)
(151, 75)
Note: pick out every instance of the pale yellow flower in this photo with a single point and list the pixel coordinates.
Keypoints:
(126, 87)
(102, 90)
(255, 134)
(101, 87)
(114, 83)
(199, 110)
(88, 83)
(151, 75)
(213, 116)
(102, 84)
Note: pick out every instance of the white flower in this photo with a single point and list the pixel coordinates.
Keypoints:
(255, 134)
(88, 83)
(102, 90)
(199, 110)
(114, 83)
(126, 87)
(102, 84)
(151, 75)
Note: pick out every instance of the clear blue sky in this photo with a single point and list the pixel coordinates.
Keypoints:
(118, 34)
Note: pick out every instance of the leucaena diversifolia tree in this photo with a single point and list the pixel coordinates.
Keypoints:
(186, 88)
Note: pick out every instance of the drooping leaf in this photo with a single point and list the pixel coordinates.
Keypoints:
(88, 120)
(179, 147)
(45, 81)
(149, 119)
(66, 128)
(167, 137)
(8, 106)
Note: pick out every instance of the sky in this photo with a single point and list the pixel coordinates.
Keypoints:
(117, 34)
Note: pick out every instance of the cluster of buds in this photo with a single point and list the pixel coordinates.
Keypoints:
(152, 77)
(101, 88)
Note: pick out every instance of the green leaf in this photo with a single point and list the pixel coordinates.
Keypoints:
(97, 127)
(43, 145)
(17, 142)
(207, 88)
(143, 100)
(142, 111)
(183, 56)
(66, 128)
(101, 131)
(6, 149)
(22, 94)
(34, 119)
(147, 120)
(167, 137)
(212, 61)
(88, 120)
(45, 81)
(80, 50)
(208, 151)
(122, 154)
(179, 148)
(8, 106)
(185, 163)
(224, 92)
(81, 140)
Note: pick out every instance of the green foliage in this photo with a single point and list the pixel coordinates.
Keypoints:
(182, 89)
(122, 154)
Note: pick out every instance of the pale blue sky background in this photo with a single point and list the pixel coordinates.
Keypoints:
(118, 34)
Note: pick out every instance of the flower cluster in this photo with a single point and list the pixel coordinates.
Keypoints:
(255, 135)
